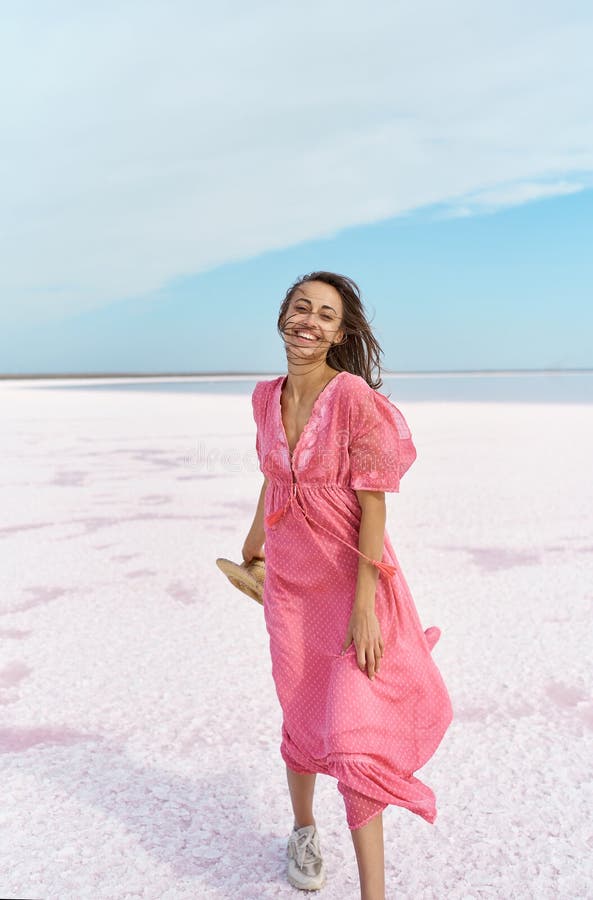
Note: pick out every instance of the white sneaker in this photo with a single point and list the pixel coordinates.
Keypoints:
(305, 869)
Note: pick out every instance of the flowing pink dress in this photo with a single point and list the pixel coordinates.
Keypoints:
(371, 735)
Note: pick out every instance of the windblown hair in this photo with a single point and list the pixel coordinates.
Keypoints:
(359, 351)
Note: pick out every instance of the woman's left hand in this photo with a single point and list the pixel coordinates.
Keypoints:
(365, 631)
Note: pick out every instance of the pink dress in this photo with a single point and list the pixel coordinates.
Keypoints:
(370, 735)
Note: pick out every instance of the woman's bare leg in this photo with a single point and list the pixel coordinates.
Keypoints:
(301, 789)
(370, 856)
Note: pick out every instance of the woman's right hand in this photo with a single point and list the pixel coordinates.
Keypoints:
(250, 549)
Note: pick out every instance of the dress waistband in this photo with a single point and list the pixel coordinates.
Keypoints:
(275, 516)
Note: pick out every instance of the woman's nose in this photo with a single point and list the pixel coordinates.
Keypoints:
(310, 316)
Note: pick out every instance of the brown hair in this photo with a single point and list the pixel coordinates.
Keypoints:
(359, 350)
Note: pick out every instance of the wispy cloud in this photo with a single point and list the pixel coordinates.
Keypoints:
(509, 195)
(147, 141)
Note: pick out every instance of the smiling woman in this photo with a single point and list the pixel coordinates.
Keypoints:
(361, 697)
(335, 322)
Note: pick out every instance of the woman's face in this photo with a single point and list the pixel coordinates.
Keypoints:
(312, 320)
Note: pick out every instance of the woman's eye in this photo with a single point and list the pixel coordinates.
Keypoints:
(305, 309)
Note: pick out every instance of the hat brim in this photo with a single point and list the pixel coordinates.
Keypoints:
(248, 578)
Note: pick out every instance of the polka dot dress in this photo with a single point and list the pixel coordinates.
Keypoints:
(370, 735)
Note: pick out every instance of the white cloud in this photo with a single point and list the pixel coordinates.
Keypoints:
(510, 195)
(143, 141)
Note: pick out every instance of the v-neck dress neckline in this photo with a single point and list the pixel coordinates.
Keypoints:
(314, 410)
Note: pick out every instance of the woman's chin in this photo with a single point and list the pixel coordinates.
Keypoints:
(308, 353)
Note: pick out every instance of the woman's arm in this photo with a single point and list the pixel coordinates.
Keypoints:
(370, 542)
(363, 627)
(254, 541)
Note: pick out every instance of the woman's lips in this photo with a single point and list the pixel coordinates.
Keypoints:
(305, 340)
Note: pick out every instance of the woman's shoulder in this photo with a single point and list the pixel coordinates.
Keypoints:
(365, 400)
(357, 386)
(266, 383)
(361, 386)
(357, 380)
(264, 388)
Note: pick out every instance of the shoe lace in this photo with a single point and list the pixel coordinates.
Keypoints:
(306, 848)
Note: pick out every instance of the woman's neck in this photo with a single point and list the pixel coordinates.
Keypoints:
(303, 384)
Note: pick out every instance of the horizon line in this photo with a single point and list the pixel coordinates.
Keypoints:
(234, 374)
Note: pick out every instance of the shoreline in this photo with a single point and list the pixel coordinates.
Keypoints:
(219, 376)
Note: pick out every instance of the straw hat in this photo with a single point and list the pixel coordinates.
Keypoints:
(248, 577)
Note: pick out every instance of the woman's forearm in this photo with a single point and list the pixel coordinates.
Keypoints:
(370, 542)
(257, 532)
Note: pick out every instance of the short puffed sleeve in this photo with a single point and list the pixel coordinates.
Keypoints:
(381, 449)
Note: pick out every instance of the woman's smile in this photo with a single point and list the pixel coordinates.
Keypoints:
(305, 336)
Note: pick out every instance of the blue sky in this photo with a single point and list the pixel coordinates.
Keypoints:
(171, 168)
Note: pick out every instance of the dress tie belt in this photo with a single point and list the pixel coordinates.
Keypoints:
(275, 516)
